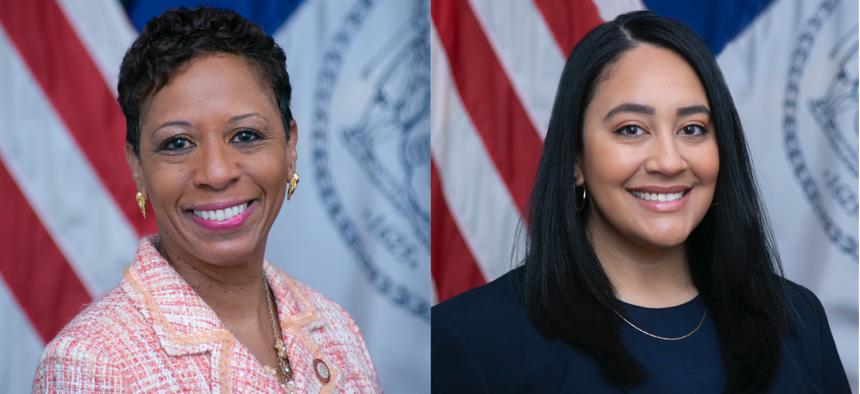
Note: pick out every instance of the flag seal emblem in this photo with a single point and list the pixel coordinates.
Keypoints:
(372, 112)
(820, 104)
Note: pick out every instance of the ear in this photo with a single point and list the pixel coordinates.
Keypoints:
(292, 155)
(577, 173)
(136, 169)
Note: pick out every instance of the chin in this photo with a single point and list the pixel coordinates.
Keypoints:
(226, 253)
(226, 258)
(667, 244)
(668, 240)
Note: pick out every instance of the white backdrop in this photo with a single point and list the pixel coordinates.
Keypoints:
(804, 181)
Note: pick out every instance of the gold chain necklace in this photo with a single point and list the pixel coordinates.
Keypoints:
(286, 374)
(664, 338)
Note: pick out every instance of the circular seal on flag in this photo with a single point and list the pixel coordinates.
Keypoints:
(820, 121)
(371, 145)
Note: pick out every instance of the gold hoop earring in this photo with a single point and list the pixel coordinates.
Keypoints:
(294, 181)
(580, 208)
(141, 203)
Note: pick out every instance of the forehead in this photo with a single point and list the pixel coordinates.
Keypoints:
(208, 85)
(651, 76)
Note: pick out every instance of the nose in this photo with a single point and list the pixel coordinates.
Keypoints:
(216, 166)
(665, 156)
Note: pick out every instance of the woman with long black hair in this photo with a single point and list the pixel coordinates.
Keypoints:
(649, 264)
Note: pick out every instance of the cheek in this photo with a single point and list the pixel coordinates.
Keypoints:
(609, 165)
(269, 168)
(165, 181)
(707, 166)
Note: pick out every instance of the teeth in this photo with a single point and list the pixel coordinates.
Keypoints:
(222, 214)
(659, 197)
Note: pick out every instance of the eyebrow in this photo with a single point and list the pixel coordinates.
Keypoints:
(173, 123)
(696, 109)
(188, 124)
(240, 117)
(648, 110)
(630, 107)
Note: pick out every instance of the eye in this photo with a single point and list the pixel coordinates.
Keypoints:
(692, 130)
(245, 136)
(630, 130)
(176, 143)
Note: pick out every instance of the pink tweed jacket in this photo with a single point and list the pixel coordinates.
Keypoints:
(154, 334)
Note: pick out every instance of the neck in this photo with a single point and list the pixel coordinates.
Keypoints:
(648, 277)
(235, 292)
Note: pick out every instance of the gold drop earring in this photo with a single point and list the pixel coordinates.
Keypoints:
(141, 202)
(294, 181)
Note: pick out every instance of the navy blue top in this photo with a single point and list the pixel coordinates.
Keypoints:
(689, 365)
(483, 342)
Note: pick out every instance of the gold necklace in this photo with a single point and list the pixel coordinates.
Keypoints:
(286, 374)
(664, 338)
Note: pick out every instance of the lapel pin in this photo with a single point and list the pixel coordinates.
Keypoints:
(322, 371)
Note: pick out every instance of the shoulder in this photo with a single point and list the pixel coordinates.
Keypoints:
(98, 330)
(484, 305)
(327, 310)
(809, 349)
(475, 335)
(339, 337)
(85, 355)
(807, 318)
(804, 307)
(797, 292)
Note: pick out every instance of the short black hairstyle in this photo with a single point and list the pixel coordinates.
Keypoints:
(731, 256)
(170, 41)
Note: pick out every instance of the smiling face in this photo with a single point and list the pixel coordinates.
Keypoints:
(650, 159)
(214, 161)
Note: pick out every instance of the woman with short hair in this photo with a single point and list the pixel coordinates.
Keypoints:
(211, 144)
(649, 265)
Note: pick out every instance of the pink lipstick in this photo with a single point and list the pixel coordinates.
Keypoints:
(222, 216)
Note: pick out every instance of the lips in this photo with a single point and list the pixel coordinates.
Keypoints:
(219, 215)
(222, 216)
(660, 197)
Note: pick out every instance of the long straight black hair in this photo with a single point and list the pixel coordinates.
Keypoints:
(731, 255)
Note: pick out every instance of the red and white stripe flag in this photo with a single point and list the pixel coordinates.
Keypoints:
(495, 69)
(70, 219)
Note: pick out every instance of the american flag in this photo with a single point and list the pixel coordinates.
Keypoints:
(495, 69)
(71, 225)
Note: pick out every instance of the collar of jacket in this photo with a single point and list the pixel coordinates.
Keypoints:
(181, 319)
